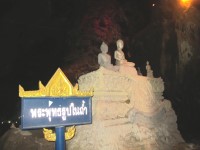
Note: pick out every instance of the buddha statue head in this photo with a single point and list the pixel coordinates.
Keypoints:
(120, 44)
(104, 48)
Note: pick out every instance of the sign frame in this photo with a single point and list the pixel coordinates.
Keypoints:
(36, 104)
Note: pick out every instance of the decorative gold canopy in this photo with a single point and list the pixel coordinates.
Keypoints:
(49, 135)
(58, 86)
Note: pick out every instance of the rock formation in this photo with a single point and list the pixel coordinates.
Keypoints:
(129, 113)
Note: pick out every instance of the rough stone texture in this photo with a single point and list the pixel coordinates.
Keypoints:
(137, 118)
(16, 139)
(187, 30)
(117, 123)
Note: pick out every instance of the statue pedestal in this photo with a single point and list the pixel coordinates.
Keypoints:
(129, 113)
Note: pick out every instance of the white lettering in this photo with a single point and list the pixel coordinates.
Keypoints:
(33, 113)
(62, 112)
(59, 112)
(39, 112)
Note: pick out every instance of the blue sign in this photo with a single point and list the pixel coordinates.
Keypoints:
(39, 112)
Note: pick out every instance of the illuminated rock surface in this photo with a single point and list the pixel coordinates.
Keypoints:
(129, 113)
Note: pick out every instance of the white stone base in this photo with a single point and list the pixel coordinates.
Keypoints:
(129, 113)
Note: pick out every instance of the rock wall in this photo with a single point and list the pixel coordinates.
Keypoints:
(188, 36)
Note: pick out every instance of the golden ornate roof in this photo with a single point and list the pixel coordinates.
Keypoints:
(58, 86)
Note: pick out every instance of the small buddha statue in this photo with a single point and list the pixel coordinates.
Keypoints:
(149, 70)
(125, 67)
(119, 55)
(104, 58)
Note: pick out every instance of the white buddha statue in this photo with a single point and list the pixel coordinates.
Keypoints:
(149, 70)
(104, 58)
(126, 67)
(119, 55)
